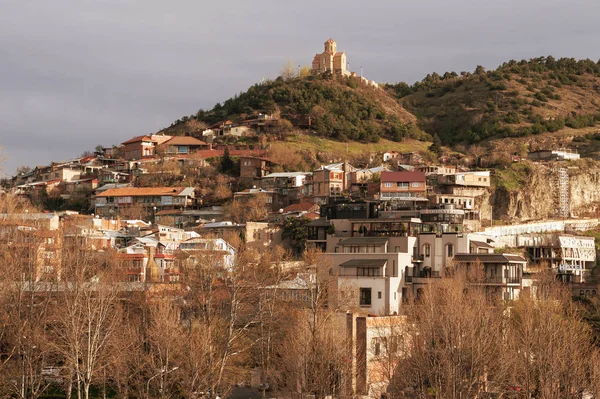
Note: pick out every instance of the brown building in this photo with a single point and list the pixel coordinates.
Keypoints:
(328, 181)
(273, 201)
(142, 146)
(152, 199)
(138, 147)
(254, 168)
(403, 186)
(182, 145)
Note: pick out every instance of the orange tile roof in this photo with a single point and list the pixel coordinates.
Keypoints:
(184, 140)
(301, 207)
(140, 191)
(136, 139)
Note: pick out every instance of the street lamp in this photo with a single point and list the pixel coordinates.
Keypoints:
(161, 372)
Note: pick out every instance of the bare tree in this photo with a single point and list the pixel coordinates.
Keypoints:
(86, 321)
(288, 70)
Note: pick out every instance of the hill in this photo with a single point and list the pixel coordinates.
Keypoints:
(340, 108)
(518, 99)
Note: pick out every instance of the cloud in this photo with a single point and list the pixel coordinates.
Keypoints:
(77, 73)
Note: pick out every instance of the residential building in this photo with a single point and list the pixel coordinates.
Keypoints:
(138, 147)
(287, 184)
(272, 200)
(375, 344)
(181, 145)
(437, 169)
(365, 182)
(152, 199)
(254, 168)
(562, 154)
(262, 235)
(406, 188)
(500, 274)
(328, 181)
(368, 274)
(216, 251)
(571, 257)
(467, 179)
(133, 262)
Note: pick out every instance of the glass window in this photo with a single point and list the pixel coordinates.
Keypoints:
(365, 297)
(416, 184)
(450, 250)
(427, 250)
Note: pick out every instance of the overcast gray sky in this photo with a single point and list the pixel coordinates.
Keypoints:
(74, 74)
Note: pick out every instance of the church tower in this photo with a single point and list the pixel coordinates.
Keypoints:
(330, 46)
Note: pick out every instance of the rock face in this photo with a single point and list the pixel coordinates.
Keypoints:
(539, 197)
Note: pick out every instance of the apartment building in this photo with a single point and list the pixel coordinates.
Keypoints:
(571, 257)
(328, 181)
(153, 199)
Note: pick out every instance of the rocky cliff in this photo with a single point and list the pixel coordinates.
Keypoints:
(532, 191)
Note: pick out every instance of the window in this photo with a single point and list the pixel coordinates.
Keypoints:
(416, 184)
(403, 185)
(427, 250)
(367, 271)
(377, 348)
(388, 185)
(450, 250)
(378, 294)
(365, 297)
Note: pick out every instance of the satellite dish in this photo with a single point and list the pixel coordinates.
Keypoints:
(280, 210)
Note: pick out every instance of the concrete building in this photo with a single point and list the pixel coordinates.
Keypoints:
(571, 257)
(562, 154)
(467, 179)
(152, 199)
(328, 181)
(405, 189)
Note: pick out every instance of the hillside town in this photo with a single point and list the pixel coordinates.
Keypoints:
(334, 260)
(385, 232)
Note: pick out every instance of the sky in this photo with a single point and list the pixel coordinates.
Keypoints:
(78, 73)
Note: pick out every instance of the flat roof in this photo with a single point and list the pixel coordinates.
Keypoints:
(364, 241)
(489, 258)
(364, 263)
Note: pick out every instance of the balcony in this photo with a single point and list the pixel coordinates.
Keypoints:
(499, 280)
(418, 258)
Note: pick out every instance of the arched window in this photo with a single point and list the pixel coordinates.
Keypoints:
(427, 250)
(450, 250)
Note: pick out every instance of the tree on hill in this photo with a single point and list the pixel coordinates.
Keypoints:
(288, 70)
(296, 230)
(227, 163)
(436, 146)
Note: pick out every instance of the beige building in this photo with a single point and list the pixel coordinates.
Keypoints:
(330, 60)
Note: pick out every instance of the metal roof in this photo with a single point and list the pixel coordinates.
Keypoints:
(481, 244)
(364, 241)
(364, 263)
(489, 258)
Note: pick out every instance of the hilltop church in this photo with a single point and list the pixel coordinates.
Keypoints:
(330, 60)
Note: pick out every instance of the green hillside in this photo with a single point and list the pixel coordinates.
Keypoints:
(518, 99)
(340, 108)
